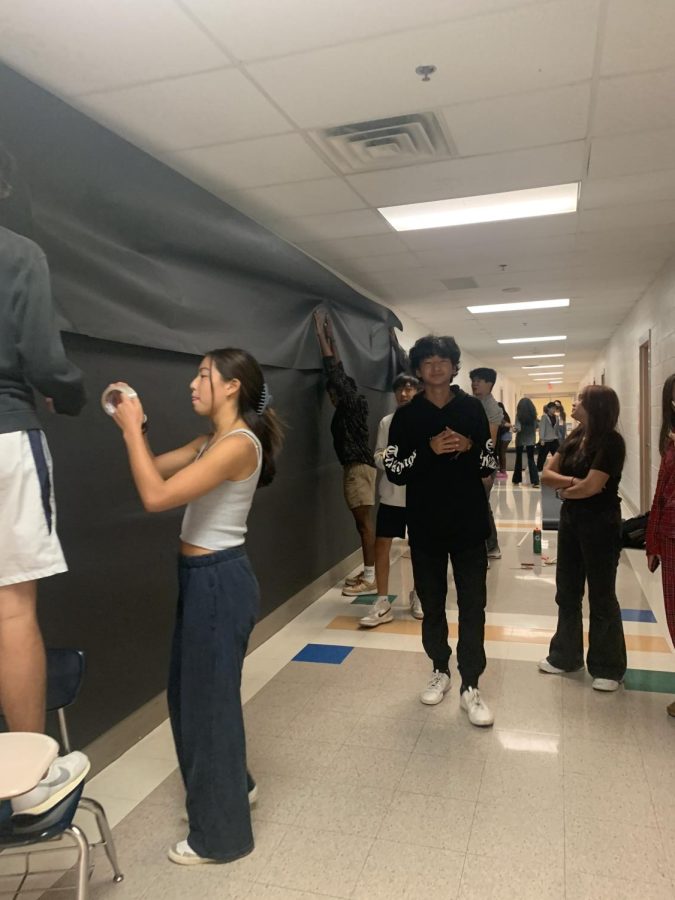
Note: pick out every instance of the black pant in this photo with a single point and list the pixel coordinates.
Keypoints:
(518, 469)
(217, 608)
(589, 544)
(430, 571)
(546, 448)
(492, 543)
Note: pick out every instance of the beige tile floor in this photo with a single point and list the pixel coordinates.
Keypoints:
(366, 793)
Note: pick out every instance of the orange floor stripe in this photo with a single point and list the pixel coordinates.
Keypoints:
(510, 633)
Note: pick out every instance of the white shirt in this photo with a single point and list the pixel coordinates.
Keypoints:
(389, 494)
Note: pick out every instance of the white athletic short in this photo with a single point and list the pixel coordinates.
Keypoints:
(29, 546)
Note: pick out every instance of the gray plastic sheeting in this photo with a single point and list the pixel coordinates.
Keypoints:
(140, 255)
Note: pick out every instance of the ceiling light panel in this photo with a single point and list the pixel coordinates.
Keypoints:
(534, 202)
(533, 340)
(546, 366)
(515, 307)
(539, 356)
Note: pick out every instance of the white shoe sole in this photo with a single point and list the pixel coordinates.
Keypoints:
(417, 615)
(55, 798)
(188, 859)
(382, 621)
(439, 700)
(608, 687)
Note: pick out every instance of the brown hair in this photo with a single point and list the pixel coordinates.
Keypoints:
(668, 418)
(266, 426)
(602, 410)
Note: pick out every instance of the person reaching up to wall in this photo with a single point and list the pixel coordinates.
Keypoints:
(352, 446)
(661, 527)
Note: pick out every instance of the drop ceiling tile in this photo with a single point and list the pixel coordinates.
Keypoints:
(355, 247)
(533, 47)
(648, 187)
(461, 240)
(635, 103)
(76, 47)
(659, 239)
(635, 215)
(513, 170)
(301, 198)
(180, 113)
(270, 28)
(639, 35)
(388, 262)
(246, 164)
(523, 120)
(337, 225)
(632, 153)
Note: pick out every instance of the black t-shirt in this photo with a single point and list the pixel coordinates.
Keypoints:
(445, 498)
(608, 457)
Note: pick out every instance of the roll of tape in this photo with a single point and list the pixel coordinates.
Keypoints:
(110, 397)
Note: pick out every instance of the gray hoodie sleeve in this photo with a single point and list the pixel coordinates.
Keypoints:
(43, 359)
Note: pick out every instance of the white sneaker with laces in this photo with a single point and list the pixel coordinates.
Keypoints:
(64, 775)
(494, 554)
(361, 587)
(183, 854)
(380, 613)
(415, 605)
(352, 580)
(545, 666)
(436, 689)
(478, 710)
(605, 684)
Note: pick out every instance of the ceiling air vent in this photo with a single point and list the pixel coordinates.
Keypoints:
(385, 143)
(460, 284)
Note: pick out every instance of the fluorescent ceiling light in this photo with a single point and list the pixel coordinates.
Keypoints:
(515, 307)
(533, 340)
(536, 374)
(549, 380)
(546, 366)
(532, 202)
(539, 356)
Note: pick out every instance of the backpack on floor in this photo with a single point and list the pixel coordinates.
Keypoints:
(634, 532)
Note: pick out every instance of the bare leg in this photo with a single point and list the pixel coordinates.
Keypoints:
(382, 549)
(22, 659)
(364, 524)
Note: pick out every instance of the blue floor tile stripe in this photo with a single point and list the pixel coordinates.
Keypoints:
(323, 653)
(638, 615)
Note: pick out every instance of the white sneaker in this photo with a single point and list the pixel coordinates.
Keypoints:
(351, 581)
(183, 854)
(605, 684)
(545, 666)
(361, 587)
(415, 605)
(252, 800)
(436, 689)
(479, 712)
(380, 614)
(64, 775)
(494, 554)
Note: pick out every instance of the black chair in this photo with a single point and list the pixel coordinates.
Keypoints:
(65, 671)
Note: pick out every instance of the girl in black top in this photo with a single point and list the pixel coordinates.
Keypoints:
(585, 473)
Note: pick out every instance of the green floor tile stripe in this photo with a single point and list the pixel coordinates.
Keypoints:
(646, 680)
(369, 599)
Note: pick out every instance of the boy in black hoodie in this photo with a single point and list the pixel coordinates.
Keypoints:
(440, 448)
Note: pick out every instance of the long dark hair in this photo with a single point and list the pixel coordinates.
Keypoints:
(668, 419)
(526, 411)
(234, 363)
(602, 415)
(561, 411)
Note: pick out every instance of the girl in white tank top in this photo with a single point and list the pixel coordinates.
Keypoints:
(216, 478)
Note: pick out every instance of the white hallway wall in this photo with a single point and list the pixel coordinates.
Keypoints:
(654, 315)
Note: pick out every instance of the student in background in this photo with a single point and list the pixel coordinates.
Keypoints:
(391, 515)
(349, 428)
(586, 473)
(548, 435)
(562, 420)
(525, 428)
(504, 438)
(482, 382)
(661, 527)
